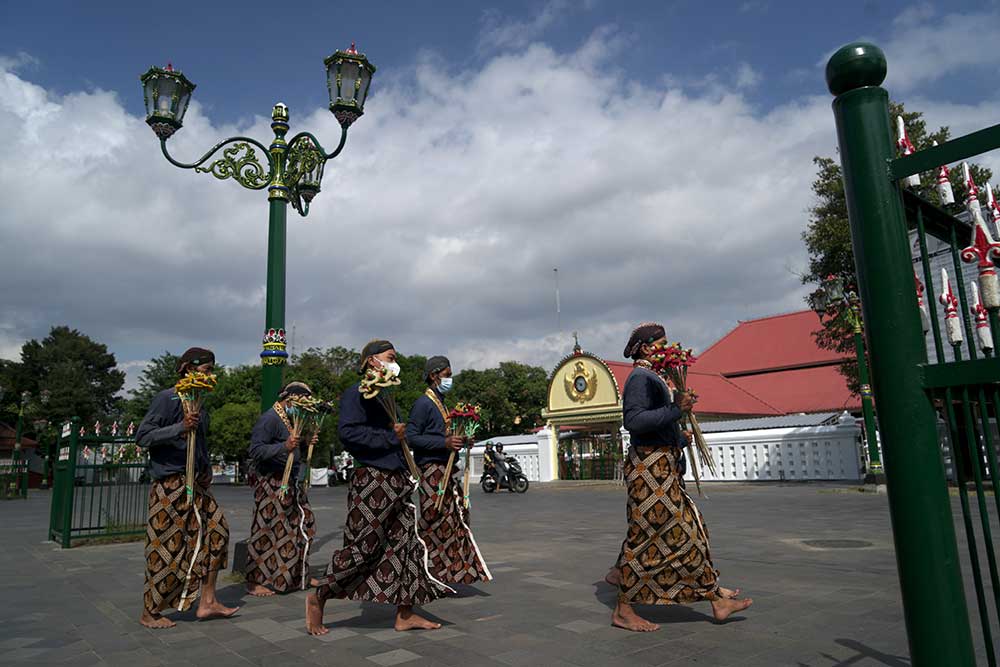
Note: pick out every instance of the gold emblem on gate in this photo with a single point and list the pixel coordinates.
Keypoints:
(580, 383)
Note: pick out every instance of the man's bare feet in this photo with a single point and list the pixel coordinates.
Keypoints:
(625, 617)
(259, 591)
(314, 615)
(721, 609)
(407, 620)
(155, 621)
(215, 609)
(614, 576)
(729, 593)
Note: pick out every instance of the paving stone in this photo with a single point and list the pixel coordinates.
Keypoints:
(397, 657)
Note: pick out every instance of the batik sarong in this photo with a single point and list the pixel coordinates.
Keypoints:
(174, 534)
(665, 558)
(280, 537)
(383, 559)
(453, 556)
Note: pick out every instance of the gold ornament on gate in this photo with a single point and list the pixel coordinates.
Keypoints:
(580, 383)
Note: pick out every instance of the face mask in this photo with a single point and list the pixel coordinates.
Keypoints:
(392, 367)
(445, 385)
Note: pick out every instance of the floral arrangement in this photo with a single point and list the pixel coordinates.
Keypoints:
(375, 379)
(192, 390)
(672, 361)
(465, 419)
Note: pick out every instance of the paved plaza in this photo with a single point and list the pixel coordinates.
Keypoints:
(816, 558)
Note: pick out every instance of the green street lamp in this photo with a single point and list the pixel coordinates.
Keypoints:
(292, 175)
(831, 298)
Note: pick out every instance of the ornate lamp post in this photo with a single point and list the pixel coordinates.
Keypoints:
(25, 397)
(40, 425)
(293, 173)
(831, 298)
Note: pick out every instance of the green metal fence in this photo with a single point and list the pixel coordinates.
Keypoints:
(931, 368)
(100, 488)
(14, 480)
(590, 458)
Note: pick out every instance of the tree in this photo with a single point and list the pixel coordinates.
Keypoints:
(512, 396)
(229, 429)
(828, 236)
(160, 373)
(80, 374)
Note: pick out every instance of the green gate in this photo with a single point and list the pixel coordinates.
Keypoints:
(99, 489)
(892, 232)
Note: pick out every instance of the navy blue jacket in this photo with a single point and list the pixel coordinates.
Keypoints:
(267, 446)
(365, 430)
(650, 416)
(426, 432)
(162, 433)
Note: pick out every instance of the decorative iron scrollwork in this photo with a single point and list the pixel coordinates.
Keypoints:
(245, 170)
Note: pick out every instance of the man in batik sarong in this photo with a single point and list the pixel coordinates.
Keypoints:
(283, 523)
(383, 559)
(186, 545)
(665, 558)
(454, 557)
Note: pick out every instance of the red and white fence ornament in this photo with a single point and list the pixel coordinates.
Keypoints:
(906, 146)
(925, 316)
(97, 428)
(984, 248)
(130, 431)
(114, 429)
(993, 207)
(952, 324)
(83, 431)
(982, 320)
(945, 193)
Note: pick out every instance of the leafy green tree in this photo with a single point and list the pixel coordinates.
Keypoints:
(80, 374)
(512, 396)
(828, 236)
(229, 429)
(159, 374)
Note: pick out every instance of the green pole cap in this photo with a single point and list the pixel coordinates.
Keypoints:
(855, 65)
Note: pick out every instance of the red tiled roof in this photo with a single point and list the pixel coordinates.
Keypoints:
(767, 366)
(769, 343)
(817, 389)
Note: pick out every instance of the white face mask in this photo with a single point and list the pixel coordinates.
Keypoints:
(392, 367)
(445, 385)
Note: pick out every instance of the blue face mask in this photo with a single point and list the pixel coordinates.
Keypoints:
(445, 385)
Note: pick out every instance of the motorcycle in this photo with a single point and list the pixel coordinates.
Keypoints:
(514, 472)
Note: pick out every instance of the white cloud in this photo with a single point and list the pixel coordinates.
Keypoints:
(746, 76)
(500, 32)
(925, 46)
(438, 226)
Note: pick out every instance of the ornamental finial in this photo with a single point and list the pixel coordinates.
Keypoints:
(904, 144)
(950, 303)
(983, 248)
(352, 50)
(991, 204)
(169, 67)
(945, 193)
(981, 318)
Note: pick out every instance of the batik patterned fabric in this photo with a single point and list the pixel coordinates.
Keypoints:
(665, 559)
(280, 536)
(383, 559)
(453, 556)
(172, 533)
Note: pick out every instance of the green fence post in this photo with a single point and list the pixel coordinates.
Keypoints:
(70, 492)
(937, 620)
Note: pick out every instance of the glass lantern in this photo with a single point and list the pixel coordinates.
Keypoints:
(348, 77)
(167, 93)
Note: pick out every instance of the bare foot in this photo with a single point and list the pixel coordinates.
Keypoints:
(729, 593)
(721, 609)
(314, 615)
(209, 610)
(407, 620)
(155, 621)
(625, 617)
(614, 577)
(259, 591)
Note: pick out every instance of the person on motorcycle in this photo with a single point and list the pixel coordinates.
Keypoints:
(501, 467)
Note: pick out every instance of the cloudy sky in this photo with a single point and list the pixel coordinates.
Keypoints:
(659, 154)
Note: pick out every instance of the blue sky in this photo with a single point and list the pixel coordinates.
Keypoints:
(659, 153)
(245, 55)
